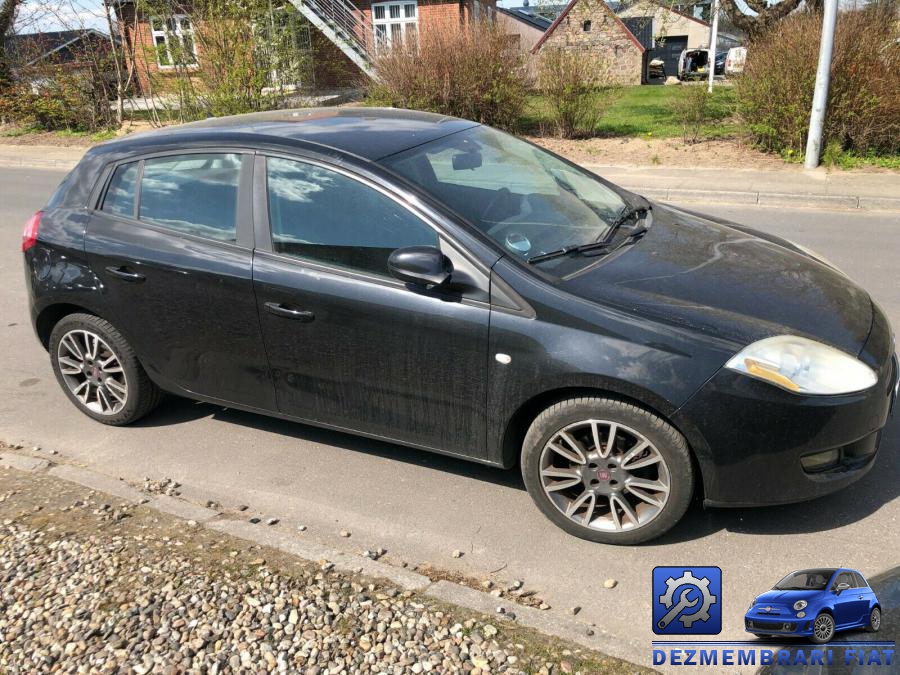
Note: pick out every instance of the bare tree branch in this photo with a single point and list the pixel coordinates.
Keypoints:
(7, 18)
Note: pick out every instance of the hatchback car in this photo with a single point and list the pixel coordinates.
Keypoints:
(437, 283)
(815, 604)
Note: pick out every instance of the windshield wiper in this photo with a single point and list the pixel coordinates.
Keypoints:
(627, 213)
(566, 250)
(604, 246)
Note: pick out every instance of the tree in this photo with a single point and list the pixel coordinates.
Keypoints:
(7, 17)
(767, 15)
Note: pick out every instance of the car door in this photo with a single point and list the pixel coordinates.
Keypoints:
(348, 345)
(847, 604)
(865, 597)
(171, 244)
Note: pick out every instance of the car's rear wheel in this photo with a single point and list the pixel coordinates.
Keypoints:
(874, 620)
(607, 470)
(823, 629)
(99, 372)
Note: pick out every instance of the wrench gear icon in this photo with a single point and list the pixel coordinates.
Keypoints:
(667, 599)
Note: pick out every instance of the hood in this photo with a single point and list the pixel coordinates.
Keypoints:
(728, 282)
(775, 597)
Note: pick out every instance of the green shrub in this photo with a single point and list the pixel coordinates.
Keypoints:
(473, 71)
(692, 108)
(863, 113)
(575, 90)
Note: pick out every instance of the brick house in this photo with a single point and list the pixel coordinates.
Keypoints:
(592, 28)
(340, 37)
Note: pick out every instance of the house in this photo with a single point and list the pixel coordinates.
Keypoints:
(591, 28)
(69, 49)
(341, 38)
(528, 23)
(665, 31)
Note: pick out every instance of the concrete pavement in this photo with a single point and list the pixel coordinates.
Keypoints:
(791, 186)
(421, 507)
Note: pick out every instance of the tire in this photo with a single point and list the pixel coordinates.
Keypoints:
(874, 620)
(118, 396)
(587, 420)
(827, 633)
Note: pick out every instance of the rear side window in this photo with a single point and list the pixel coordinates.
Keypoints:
(324, 216)
(119, 197)
(860, 580)
(193, 194)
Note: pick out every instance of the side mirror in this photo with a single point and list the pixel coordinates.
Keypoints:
(841, 588)
(421, 265)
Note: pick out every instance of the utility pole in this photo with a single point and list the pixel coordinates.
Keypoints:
(820, 96)
(713, 39)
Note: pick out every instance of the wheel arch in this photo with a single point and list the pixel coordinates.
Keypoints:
(51, 315)
(518, 424)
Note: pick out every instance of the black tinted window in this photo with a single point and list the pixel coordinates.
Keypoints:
(195, 194)
(120, 193)
(322, 215)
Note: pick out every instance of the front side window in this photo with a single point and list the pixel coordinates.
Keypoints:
(119, 199)
(324, 216)
(173, 41)
(193, 194)
(843, 578)
(395, 23)
(523, 197)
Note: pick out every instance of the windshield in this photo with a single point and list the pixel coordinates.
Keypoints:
(805, 580)
(521, 196)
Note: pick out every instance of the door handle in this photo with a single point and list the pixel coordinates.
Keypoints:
(278, 309)
(123, 273)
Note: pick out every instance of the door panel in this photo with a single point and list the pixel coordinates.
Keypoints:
(375, 357)
(184, 300)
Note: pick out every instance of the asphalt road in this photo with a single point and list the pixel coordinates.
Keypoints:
(421, 507)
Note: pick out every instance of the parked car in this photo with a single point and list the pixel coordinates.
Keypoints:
(735, 60)
(444, 285)
(693, 64)
(815, 603)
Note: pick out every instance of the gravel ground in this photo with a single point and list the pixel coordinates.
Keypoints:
(88, 584)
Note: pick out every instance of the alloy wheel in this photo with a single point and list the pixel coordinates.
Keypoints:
(92, 371)
(604, 476)
(875, 619)
(824, 627)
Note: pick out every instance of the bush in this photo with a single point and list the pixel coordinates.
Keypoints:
(691, 107)
(58, 100)
(863, 114)
(575, 91)
(473, 71)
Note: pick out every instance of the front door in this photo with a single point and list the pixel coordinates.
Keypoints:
(349, 346)
(170, 246)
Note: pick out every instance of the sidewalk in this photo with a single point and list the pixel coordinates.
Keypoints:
(112, 582)
(788, 187)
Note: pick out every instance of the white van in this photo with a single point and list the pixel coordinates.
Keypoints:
(734, 61)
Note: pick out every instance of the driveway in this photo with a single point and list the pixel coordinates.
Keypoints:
(422, 507)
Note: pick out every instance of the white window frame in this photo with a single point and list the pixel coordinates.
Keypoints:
(386, 23)
(178, 34)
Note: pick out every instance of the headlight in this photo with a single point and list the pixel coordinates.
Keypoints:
(752, 603)
(803, 366)
(800, 604)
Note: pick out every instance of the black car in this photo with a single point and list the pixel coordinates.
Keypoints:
(443, 285)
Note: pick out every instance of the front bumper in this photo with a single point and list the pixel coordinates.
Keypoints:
(784, 624)
(754, 435)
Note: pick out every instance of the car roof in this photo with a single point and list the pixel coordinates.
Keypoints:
(370, 133)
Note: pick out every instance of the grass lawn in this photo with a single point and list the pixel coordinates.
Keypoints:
(644, 111)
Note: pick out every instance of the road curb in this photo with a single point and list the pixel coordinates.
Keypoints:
(32, 163)
(806, 200)
(448, 592)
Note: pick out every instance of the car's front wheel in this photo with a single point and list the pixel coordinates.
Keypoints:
(99, 372)
(823, 629)
(874, 620)
(606, 470)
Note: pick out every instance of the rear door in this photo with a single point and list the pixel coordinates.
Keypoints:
(171, 244)
(350, 346)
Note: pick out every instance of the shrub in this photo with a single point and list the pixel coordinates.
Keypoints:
(863, 113)
(691, 107)
(472, 71)
(575, 90)
(58, 100)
